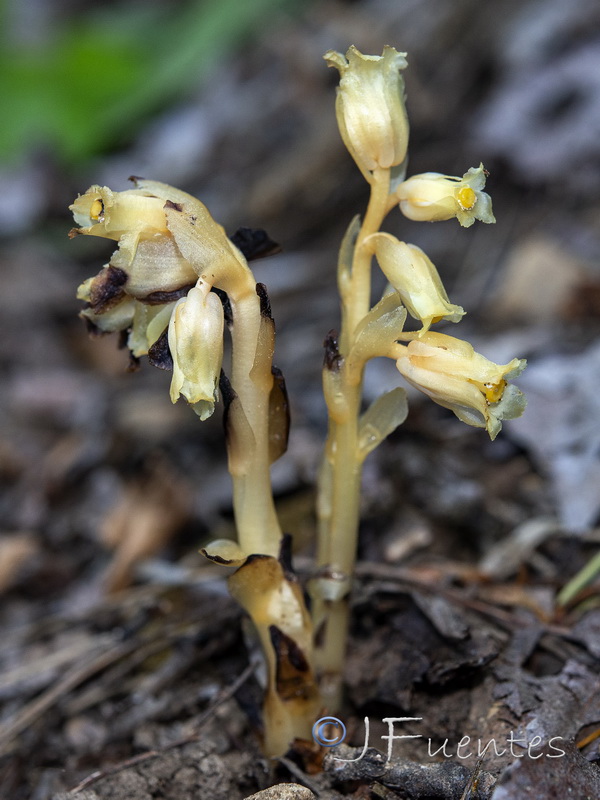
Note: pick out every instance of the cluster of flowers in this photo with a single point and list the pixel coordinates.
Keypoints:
(176, 279)
(161, 298)
(372, 119)
(153, 289)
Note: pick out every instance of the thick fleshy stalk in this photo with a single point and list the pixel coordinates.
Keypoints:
(339, 486)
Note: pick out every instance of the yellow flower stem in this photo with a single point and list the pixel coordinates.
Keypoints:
(251, 379)
(397, 350)
(392, 202)
(357, 300)
(339, 501)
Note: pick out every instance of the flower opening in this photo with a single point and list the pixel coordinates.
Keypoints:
(455, 376)
(432, 197)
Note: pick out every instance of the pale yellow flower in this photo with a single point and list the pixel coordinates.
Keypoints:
(458, 378)
(370, 106)
(102, 212)
(149, 323)
(431, 197)
(138, 289)
(196, 345)
(148, 259)
(412, 274)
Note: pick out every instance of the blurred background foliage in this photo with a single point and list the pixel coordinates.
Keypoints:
(104, 68)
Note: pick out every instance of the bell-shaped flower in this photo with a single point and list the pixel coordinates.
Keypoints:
(167, 240)
(102, 212)
(458, 378)
(137, 290)
(196, 345)
(370, 107)
(148, 261)
(412, 274)
(168, 243)
(431, 197)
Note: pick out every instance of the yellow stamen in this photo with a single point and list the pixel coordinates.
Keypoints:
(466, 198)
(494, 391)
(96, 209)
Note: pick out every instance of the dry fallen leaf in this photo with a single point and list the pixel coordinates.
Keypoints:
(15, 550)
(144, 520)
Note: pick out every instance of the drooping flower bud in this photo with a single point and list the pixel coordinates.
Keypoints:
(414, 277)
(458, 378)
(431, 197)
(370, 106)
(196, 345)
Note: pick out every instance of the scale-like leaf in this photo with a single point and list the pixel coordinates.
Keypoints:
(381, 418)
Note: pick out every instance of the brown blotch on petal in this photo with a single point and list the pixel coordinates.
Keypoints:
(159, 354)
(238, 433)
(279, 416)
(285, 557)
(291, 666)
(254, 243)
(265, 303)
(256, 557)
(92, 329)
(319, 637)
(74, 232)
(174, 206)
(216, 559)
(332, 360)
(161, 298)
(227, 394)
(122, 339)
(134, 363)
(226, 303)
(134, 179)
(287, 648)
(106, 290)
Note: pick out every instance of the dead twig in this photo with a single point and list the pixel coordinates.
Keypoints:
(472, 785)
(295, 770)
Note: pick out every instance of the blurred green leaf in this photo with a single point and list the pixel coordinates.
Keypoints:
(104, 73)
